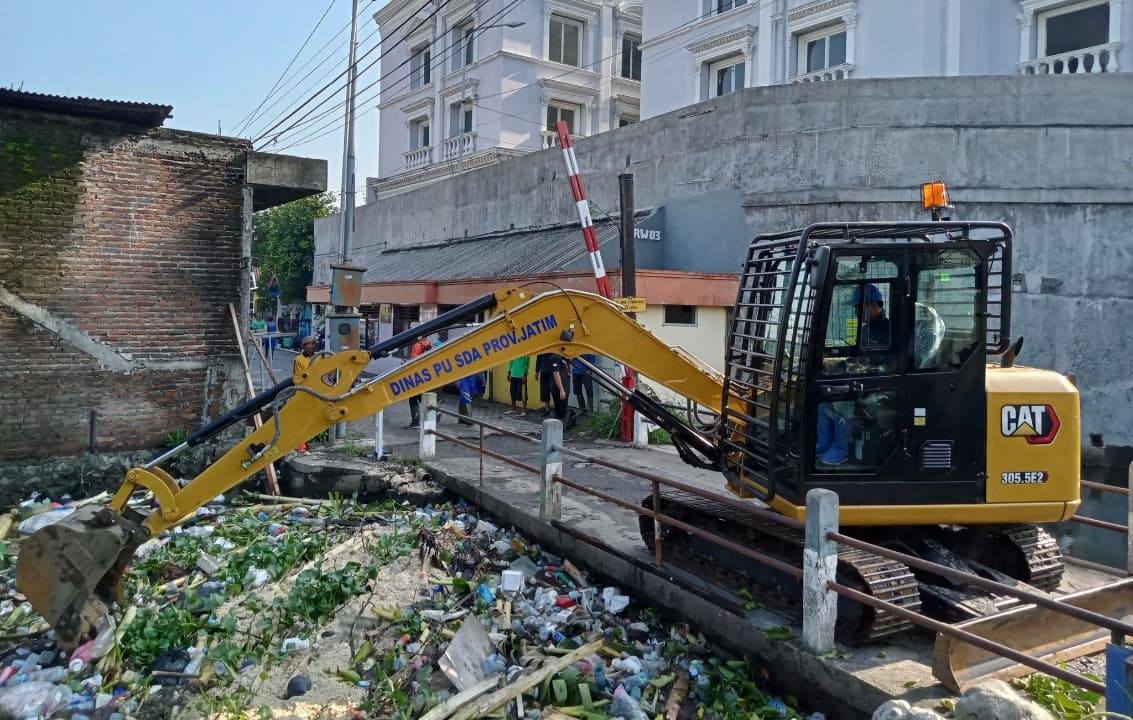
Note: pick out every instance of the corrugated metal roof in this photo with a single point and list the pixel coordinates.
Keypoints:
(506, 254)
(147, 114)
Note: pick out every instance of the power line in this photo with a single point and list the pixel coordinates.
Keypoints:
(402, 39)
(249, 116)
(336, 54)
(332, 126)
(385, 76)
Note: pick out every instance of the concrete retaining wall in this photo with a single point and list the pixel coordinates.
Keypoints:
(1052, 156)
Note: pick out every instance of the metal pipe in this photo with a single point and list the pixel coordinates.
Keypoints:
(985, 584)
(779, 565)
(692, 489)
(489, 453)
(490, 426)
(166, 455)
(1104, 488)
(1100, 523)
(1097, 567)
(970, 638)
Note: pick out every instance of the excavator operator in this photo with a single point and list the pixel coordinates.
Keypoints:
(832, 446)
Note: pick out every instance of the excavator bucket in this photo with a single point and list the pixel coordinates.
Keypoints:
(71, 571)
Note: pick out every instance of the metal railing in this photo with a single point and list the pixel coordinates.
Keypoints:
(823, 536)
(1104, 524)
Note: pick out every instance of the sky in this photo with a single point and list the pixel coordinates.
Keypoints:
(212, 60)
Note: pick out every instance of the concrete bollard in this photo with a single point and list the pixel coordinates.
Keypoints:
(640, 431)
(820, 565)
(428, 441)
(550, 492)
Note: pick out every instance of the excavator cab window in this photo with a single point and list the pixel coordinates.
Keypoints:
(856, 418)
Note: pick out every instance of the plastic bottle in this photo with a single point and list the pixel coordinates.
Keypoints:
(104, 640)
(81, 657)
(294, 643)
(494, 664)
(51, 675)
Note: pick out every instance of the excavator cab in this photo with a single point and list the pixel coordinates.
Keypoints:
(857, 361)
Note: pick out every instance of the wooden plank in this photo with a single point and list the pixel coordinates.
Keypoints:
(273, 480)
(1038, 632)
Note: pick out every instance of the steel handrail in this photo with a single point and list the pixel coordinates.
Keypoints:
(692, 489)
(673, 522)
(1104, 524)
(486, 451)
(490, 426)
(1104, 488)
(1114, 626)
(970, 638)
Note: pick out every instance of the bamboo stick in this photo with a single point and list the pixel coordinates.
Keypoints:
(500, 697)
(463, 697)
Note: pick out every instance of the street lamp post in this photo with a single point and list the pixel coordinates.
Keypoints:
(463, 77)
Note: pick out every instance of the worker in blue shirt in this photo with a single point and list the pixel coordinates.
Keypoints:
(581, 379)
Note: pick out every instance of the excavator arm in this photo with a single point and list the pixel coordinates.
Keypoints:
(71, 571)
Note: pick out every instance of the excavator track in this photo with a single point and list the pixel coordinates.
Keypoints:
(1040, 551)
(884, 579)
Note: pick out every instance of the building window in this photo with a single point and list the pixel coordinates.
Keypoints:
(627, 120)
(727, 76)
(565, 113)
(566, 41)
(723, 6)
(1073, 27)
(680, 315)
(631, 57)
(465, 52)
(821, 50)
(419, 134)
(420, 67)
(458, 124)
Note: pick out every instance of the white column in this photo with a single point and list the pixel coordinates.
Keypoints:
(546, 33)
(851, 21)
(765, 47)
(608, 67)
(749, 63)
(820, 565)
(952, 38)
(550, 492)
(1114, 33)
(1024, 19)
(697, 73)
(427, 441)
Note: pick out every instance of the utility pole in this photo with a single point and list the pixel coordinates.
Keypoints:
(629, 282)
(349, 311)
(348, 144)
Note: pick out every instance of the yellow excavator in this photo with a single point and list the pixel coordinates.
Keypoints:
(873, 359)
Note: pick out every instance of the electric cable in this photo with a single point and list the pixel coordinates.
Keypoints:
(248, 118)
(349, 68)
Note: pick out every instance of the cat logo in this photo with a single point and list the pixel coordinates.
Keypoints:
(1038, 423)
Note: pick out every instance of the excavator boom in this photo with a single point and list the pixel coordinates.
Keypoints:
(70, 572)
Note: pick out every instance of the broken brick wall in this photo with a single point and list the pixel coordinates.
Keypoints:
(120, 249)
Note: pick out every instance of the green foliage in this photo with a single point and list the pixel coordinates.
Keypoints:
(356, 450)
(175, 438)
(602, 422)
(284, 243)
(316, 595)
(155, 631)
(733, 694)
(1065, 701)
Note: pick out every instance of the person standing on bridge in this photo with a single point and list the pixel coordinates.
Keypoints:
(517, 383)
(302, 362)
(420, 347)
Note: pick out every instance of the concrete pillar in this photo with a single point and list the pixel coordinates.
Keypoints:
(640, 431)
(550, 492)
(608, 66)
(820, 565)
(765, 48)
(428, 441)
(1024, 19)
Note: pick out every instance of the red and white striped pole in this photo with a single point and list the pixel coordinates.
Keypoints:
(595, 252)
(583, 207)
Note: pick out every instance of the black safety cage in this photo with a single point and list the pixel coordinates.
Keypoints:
(772, 329)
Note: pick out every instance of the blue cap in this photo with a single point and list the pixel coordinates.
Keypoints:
(872, 294)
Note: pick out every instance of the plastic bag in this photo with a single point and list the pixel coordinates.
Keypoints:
(34, 699)
(42, 520)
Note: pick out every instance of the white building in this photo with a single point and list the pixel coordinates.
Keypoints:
(698, 49)
(472, 93)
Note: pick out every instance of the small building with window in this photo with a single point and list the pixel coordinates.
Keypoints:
(468, 84)
(695, 50)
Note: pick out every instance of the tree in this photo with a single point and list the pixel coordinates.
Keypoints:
(283, 244)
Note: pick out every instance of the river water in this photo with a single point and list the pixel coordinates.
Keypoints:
(1098, 544)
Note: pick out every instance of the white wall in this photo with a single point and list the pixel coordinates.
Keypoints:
(705, 340)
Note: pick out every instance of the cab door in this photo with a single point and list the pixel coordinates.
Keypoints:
(859, 393)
